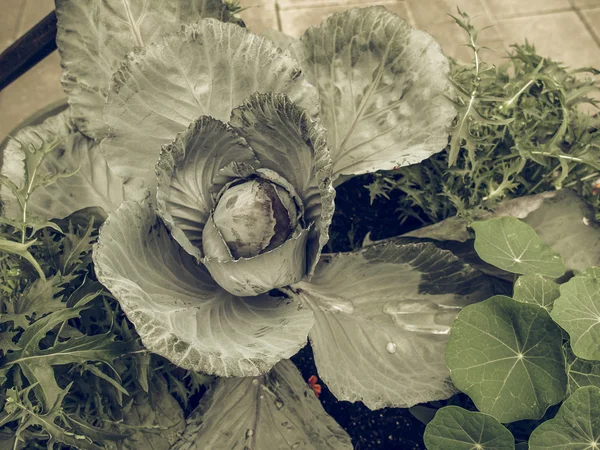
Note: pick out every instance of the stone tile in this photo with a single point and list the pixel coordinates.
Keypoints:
(453, 41)
(432, 12)
(35, 10)
(586, 3)
(260, 15)
(560, 36)
(34, 90)
(592, 17)
(11, 12)
(512, 8)
(299, 4)
(295, 21)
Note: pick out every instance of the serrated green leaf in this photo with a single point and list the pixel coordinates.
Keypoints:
(77, 244)
(507, 356)
(537, 290)
(514, 246)
(455, 428)
(37, 364)
(576, 426)
(22, 250)
(7, 342)
(577, 310)
(39, 298)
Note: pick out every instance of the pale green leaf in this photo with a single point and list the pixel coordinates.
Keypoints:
(581, 371)
(381, 85)
(512, 245)
(382, 318)
(277, 410)
(75, 172)
(507, 356)
(455, 428)
(577, 310)
(180, 312)
(207, 68)
(576, 426)
(38, 299)
(560, 218)
(94, 36)
(536, 289)
(22, 250)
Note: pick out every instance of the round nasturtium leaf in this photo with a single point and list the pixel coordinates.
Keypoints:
(455, 428)
(507, 356)
(581, 371)
(512, 245)
(577, 310)
(576, 426)
(537, 290)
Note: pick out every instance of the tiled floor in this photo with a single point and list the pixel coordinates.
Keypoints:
(566, 30)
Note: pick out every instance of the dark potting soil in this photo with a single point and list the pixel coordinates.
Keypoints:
(384, 429)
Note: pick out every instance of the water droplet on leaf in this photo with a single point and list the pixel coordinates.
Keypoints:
(391, 347)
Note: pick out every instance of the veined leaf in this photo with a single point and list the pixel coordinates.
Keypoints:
(576, 426)
(180, 312)
(581, 371)
(206, 69)
(455, 428)
(94, 36)
(382, 318)
(512, 245)
(277, 410)
(536, 289)
(381, 85)
(577, 310)
(507, 356)
(74, 174)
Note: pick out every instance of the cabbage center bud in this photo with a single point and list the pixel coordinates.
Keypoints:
(255, 216)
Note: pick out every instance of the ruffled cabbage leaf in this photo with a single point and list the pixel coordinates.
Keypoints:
(206, 69)
(276, 410)
(382, 318)
(80, 177)
(180, 312)
(382, 88)
(95, 35)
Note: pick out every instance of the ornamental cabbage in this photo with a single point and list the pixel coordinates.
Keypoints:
(224, 151)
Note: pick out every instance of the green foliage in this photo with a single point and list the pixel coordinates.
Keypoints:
(536, 289)
(507, 356)
(520, 130)
(514, 246)
(576, 425)
(577, 310)
(73, 372)
(455, 428)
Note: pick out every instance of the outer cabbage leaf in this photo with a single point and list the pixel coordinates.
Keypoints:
(95, 35)
(286, 141)
(381, 86)
(93, 184)
(180, 312)
(208, 68)
(382, 318)
(277, 410)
